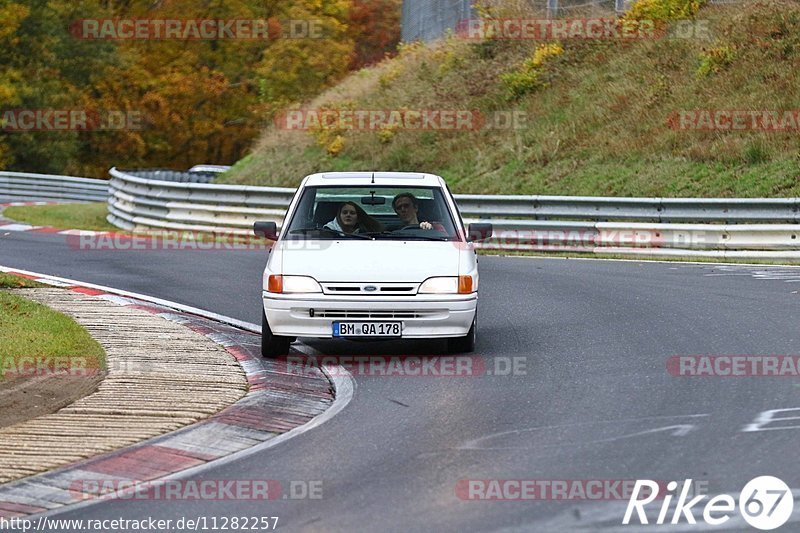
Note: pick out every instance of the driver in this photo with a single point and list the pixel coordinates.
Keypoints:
(406, 206)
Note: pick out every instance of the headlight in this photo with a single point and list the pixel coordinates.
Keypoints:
(448, 285)
(292, 284)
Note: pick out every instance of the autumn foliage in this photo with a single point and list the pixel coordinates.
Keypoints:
(377, 23)
(195, 100)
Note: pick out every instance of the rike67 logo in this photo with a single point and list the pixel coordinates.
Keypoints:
(765, 503)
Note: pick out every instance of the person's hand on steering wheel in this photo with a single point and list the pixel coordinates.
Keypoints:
(422, 225)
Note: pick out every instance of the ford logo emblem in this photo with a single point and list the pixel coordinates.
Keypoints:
(370, 288)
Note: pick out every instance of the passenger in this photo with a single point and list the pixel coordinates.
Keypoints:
(351, 218)
(406, 206)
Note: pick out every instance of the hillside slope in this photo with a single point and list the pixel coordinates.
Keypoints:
(602, 117)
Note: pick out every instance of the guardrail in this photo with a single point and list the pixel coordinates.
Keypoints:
(137, 203)
(190, 176)
(721, 227)
(24, 186)
(702, 210)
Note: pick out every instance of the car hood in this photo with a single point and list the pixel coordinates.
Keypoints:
(376, 261)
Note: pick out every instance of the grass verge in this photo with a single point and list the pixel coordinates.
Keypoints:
(91, 217)
(35, 339)
(9, 281)
(66, 216)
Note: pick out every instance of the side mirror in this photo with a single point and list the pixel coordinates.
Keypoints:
(479, 231)
(266, 229)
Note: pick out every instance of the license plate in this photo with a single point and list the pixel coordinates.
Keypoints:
(367, 329)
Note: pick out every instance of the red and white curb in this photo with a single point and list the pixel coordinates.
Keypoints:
(278, 406)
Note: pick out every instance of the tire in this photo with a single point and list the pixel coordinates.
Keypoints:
(464, 344)
(272, 346)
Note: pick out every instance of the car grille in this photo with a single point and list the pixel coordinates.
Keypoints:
(371, 289)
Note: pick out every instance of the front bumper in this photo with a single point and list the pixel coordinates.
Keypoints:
(421, 317)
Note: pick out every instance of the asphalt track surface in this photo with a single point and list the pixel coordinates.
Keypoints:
(595, 401)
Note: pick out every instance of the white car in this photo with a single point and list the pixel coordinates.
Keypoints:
(365, 255)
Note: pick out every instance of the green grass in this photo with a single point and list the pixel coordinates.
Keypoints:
(33, 332)
(596, 126)
(92, 217)
(9, 281)
(66, 216)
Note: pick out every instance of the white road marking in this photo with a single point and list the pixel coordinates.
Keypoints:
(785, 274)
(18, 227)
(81, 232)
(767, 417)
(680, 430)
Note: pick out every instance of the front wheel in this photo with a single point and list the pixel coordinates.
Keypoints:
(464, 344)
(272, 346)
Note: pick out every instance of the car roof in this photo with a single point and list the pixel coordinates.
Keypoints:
(403, 179)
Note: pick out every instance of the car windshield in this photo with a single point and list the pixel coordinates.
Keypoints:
(372, 212)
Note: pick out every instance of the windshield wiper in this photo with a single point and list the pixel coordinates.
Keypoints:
(376, 234)
(425, 238)
(306, 231)
(404, 236)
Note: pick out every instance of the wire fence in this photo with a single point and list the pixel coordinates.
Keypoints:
(426, 20)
